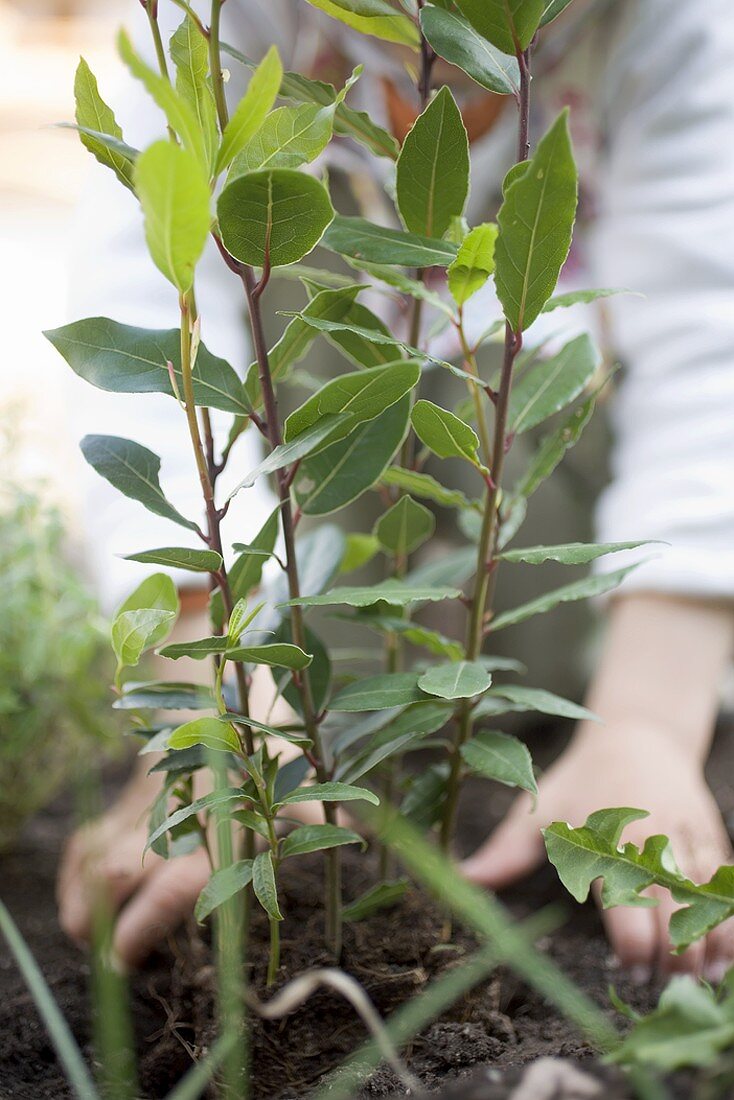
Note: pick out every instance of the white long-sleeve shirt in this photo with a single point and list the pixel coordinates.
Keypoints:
(651, 85)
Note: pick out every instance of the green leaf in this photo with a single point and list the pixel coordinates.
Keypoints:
(553, 10)
(157, 591)
(554, 446)
(363, 337)
(361, 549)
(508, 24)
(423, 485)
(424, 802)
(535, 226)
(133, 632)
(392, 591)
(382, 896)
(343, 471)
(474, 263)
(289, 138)
(458, 680)
(443, 433)
(498, 756)
(125, 359)
(329, 792)
(319, 674)
(214, 801)
(274, 217)
(246, 571)
(574, 297)
(392, 689)
(432, 181)
(252, 109)
(197, 650)
(404, 527)
(579, 590)
(180, 557)
(416, 722)
(179, 115)
(157, 695)
(358, 396)
(454, 39)
(223, 885)
(571, 553)
(504, 698)
(174, 194)
(276, 655)
(213, 733)
(93, 114)
(190, 55)
(362, 240)
(549, 386)
(133, 470)
(316, 838)
(373, 17)
(416, 635)
(296, 449)
(264, 885)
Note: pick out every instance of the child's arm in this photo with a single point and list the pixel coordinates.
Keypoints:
(657, 691)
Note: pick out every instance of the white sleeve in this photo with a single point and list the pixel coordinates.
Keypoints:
(112, 275)
(666, 230)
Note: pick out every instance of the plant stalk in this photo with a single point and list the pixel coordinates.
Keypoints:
(215, 64)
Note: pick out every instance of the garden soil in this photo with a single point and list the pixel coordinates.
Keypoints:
(501, 1042)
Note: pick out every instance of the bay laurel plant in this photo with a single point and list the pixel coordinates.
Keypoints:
(246, 175)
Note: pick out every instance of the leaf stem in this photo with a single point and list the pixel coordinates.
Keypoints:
(215, 65)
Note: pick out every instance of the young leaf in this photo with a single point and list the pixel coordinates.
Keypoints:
(223, 885)
(329, 792)
(273, 217)
(213, 733)
(190, 55)
(474, 263)
(316, 838)
(392, 591)
(277, 655)
(433, 169)
(518, 698)
(135, 631)
(456, 40)
(157, 591)
(125, 359)
(252, 109)
(361, 240)
(423, 485)
(501, 757)
(93, 114)
(510, 25)
(443, 433)
(133, 470)
(535, 225)
(574, 297)
(404, 527)
(214, 801)
(549, 386)
(392, 689)
(343, 471)
(458, 680)
(553, 447)
(174, 193)
(180, 557)
(289, 138)
(382, 896)
(264, 885)
(579, 590)
(361, 549)
(572, 553)
(374, 17)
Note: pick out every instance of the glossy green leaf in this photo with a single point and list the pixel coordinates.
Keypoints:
(549, 386)
(504, 698)
(498, 756)
(423, 485)
(392, 689)
(432, 181)
(404, 527)
(454, 39)
(395, 737)
(330, 792)
(276, 655)
(319, 672)
(382, 896)
(125, 359)
(316, 838)
(508, 24)
(583, 297)
(197, 650)
(213, 733)
(214, 801)
(474, 263)
(157, 591)
(180, 557)
(289, 138)
(394, 592)
(361, 549)
(133, 632)
(417, 635)
(157, 695)
(443, 433)
(286, 454)
(340, 473)
(571, 553)
(275, 216)
(246, 571)
(190, 55)
(579, 590)
(362, 240)
(552, 10)
(252, 110)
(364, 338)
(535, 226)
(264, 885)
(373, 17)
(554, 446)
(133, 470)
(426, 797)
(93, 114)
(223, 885)
(457, 680)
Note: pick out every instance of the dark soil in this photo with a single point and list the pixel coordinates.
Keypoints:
(477, 1051)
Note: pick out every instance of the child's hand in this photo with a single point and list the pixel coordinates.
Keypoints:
(624, 767)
